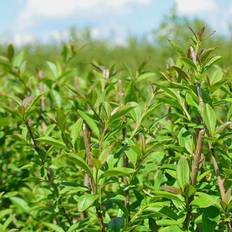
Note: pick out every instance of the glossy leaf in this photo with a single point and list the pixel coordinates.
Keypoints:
(53, 227)
(85, 201)
(209, 118)
(90, 122)
(182, 173)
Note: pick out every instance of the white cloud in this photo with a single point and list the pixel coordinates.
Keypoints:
(36, 10)
(117, 35)
(105, 32)
(19, 39)
(22, 38)
(190, 7)
(57, 36)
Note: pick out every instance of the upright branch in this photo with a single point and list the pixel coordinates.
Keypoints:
(35, 145)
(194, 173)
(86, 136)
(199, 94)
(197, 156)
(41, 90)
(126, 165)
(220, 181)
(42, 100)
(220, 184)
(125, 158)
(88, 181)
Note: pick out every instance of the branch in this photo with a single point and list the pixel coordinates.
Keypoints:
(197, 156)
(125, 158)
(199, 94)
(220, 184)
(86, 136)
(35, 145)
(220, 181)
(87, 179)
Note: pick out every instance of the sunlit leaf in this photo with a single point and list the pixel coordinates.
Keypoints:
(90, 122)
(182, 173)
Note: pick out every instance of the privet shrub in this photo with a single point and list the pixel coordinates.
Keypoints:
(116, 151)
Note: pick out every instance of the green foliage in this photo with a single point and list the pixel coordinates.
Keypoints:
(107, 150)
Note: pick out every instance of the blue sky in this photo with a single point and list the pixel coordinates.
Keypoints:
(23, 21)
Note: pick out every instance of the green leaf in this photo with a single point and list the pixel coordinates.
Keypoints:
(190, 100)
(210, 219)
(132, 156)
(189, 62)
(53, 227)
(57, 98)
(158, 180)
(209, 118)
(227, 198)
(186, 140)
(116, 224)
(205, 53)
(118, 171)
(85, 201)
(74, 227)
(10, 52)
(61, 119)
(182, 74)
(146, 77)
(7, 222)
(168, 195)
(18, 59)
(76, 130)
(182, 173)
(21, 204)
(216, 75)
(168, 222)
(5, 212)
(203, 200)
(90, 122)
(52, 141)
(53, 68)
(173, 228)
(5, 121)
(118, 112)
(32, 103)
(15, 99)
(80, 162)
(212, 61)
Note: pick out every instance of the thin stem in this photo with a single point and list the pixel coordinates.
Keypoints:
(199, 94)
(126, 165)
(125, 158)
(220, 181)
(34, 142)
(229, 226)
(86, 136)
(195, 168)
(197, 156)
(87, 179)
(42, 100)
(188, 218)
(194, 173)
